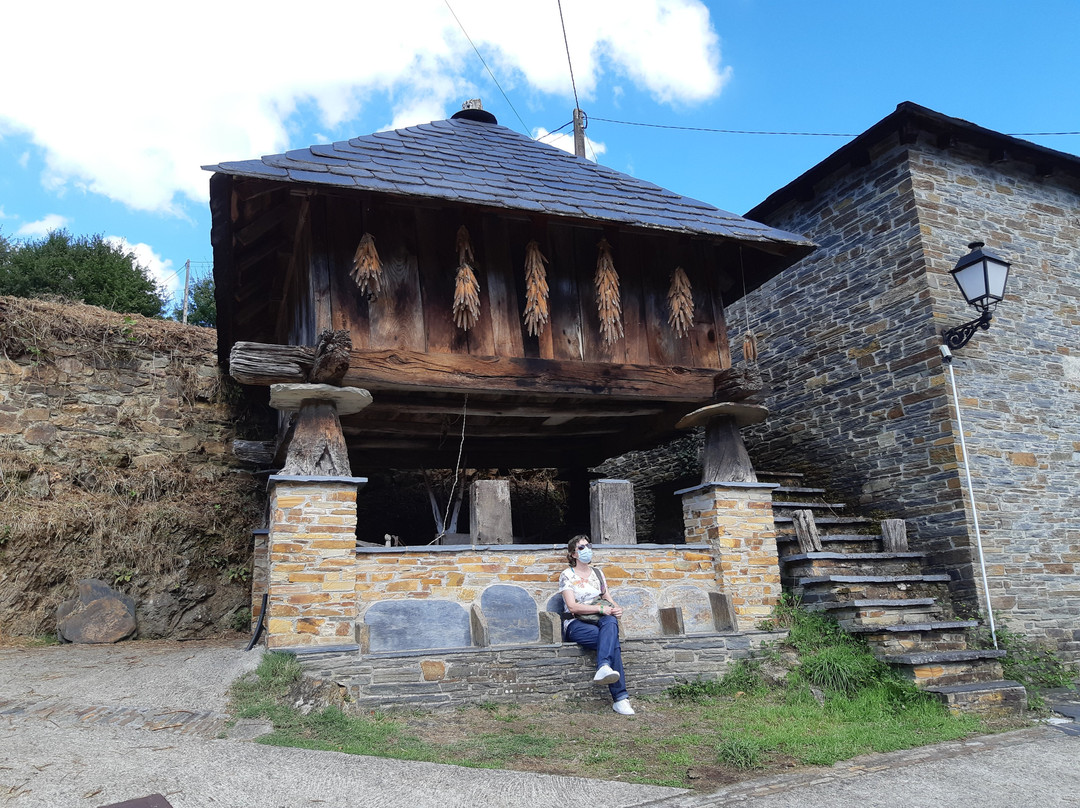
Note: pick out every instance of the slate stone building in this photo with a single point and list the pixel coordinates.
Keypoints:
(849, 342)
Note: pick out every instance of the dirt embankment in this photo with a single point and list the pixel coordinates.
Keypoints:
(114, 463)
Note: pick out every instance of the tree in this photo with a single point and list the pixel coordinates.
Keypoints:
(202, 305)
(85, 268)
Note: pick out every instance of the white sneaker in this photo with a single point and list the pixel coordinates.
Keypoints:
(605, 675)
(622, 707)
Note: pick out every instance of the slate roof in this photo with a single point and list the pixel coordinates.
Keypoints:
(479, 163)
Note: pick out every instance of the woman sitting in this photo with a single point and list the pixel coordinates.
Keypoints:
(586, 596)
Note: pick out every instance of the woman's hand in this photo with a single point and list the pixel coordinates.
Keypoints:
(615, 610)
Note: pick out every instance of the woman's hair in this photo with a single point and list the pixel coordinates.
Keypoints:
(571, 548)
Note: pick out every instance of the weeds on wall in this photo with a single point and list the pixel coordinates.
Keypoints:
(1034, 666)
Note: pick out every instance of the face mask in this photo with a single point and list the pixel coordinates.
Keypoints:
(585, 555)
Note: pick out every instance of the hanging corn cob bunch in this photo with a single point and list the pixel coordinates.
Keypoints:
(536, 290)
(366, 268)
(466, 287)
(749, 347)
(608, 302)
(680, 303)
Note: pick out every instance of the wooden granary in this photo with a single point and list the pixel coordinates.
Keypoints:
(583, 383)
(459, 289)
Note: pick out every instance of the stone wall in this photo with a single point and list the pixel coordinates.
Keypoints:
(1019, 382)
(848, 341)
(537, 674)
(114, 452)
(643, 578)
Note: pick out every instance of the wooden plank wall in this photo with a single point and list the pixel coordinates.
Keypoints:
(419, 258)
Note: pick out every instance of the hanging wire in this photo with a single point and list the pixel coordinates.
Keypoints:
(797, 134)
(568, 61)
(723, 131)
(556, 131)
(457, 469)
(488, 69)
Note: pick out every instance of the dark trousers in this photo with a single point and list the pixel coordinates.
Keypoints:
(604, 638)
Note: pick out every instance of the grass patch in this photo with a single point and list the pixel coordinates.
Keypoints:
(834, 703)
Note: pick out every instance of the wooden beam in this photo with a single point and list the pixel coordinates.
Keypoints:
(258, 363)
(491, 410)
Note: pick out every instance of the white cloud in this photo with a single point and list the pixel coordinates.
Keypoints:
(565, 141)
(144, 108)
(42, 227)
(161, 270)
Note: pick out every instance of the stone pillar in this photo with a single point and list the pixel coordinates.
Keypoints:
(260, 572)
(490, 518)
(736, 520)
(611, 512)
(312, 544)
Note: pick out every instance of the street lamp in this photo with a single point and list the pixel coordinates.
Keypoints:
(981, 276)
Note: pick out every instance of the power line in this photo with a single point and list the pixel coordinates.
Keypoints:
(485, 64)
(723, 131)
(568, 61)
(799, 134)
(556, 131)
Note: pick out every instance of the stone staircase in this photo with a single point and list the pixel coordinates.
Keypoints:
(887, 597)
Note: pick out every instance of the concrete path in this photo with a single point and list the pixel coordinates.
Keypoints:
(93, 725)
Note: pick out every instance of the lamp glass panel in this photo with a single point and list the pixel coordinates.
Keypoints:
(972, 282)
(997, 273)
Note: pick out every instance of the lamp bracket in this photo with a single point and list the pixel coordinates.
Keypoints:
(957, 338)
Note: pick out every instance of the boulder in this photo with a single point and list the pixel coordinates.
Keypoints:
(99, 615)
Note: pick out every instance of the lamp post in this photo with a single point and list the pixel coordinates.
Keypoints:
(981, 276)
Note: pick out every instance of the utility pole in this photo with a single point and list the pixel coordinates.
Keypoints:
(579, 133)
(187, 281)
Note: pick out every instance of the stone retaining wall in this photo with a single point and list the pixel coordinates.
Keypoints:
(533, 674)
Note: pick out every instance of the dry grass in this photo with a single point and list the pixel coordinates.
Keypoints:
(110, 498)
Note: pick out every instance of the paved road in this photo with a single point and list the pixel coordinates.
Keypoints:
(92, 725)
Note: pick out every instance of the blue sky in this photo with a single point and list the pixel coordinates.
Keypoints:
(107, 114)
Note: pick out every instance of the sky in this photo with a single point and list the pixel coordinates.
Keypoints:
(108, 110)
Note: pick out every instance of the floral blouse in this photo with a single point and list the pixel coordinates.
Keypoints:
(584, 591)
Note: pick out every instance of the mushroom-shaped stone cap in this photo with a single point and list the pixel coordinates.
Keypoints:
(348, 400)
(744, 414)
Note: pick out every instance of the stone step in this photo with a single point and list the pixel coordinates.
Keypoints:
(809, 565)
(946, 668)
(792, 489)
(934, 635)
(840, 542)
(826, 521)
(1001, 698)
(821, 588)
(794, 474)
(800, 506)
(869, 613)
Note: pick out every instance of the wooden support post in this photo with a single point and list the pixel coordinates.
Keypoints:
(806, 531)
(725, 458)
(317, 446)
(894, 536)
